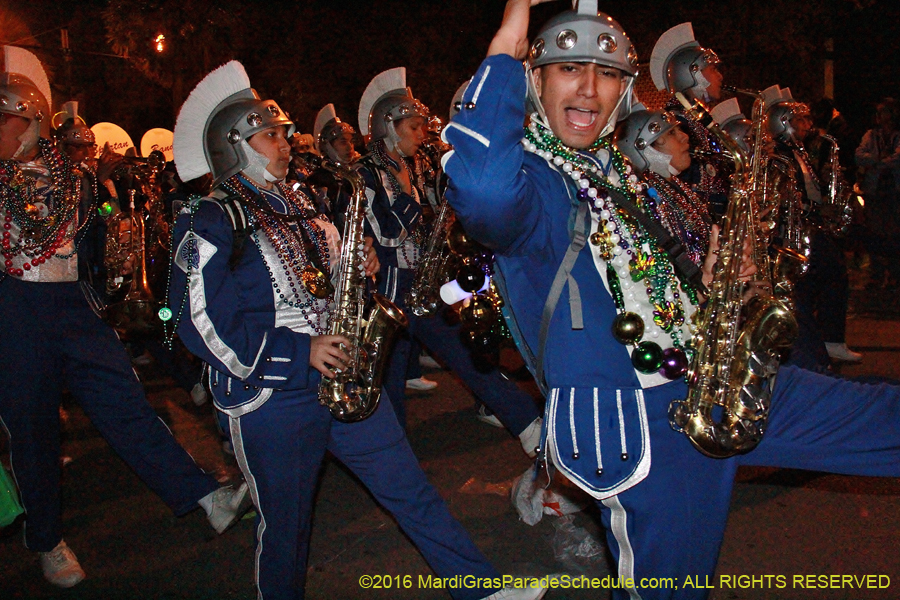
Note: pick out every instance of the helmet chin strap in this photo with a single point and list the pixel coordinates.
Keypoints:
(660, 162)
(257, 170)
(332, 153)
(28, 140)
(392, 141)
(699, 91)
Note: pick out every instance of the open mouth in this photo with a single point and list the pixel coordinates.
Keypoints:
(581, 118)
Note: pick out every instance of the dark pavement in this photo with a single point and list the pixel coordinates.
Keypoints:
(782, 522)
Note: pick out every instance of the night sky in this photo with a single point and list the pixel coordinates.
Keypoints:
(307, 54)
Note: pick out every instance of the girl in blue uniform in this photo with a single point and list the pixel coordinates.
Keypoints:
(250, 265)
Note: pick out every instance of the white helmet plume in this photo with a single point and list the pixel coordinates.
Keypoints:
(187, 145)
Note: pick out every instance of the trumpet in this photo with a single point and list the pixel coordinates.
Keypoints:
(144, 168)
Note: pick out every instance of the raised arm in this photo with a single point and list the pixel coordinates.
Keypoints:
(489, 187)
(512, 37)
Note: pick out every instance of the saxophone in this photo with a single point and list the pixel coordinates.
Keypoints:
(743, 328)
(354, 393)
(836, 210)
(793, 234)
(424, 297)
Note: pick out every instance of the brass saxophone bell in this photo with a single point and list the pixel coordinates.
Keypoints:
(316, 282)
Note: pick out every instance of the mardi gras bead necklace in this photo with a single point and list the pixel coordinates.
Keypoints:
(43, 228)
(681, 212)
(300, 244)
(188, 249)
(633, 256)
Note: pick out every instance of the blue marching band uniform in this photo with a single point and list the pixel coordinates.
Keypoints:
(394, 221)
(607, 426)
(257, 346)
(54, 339)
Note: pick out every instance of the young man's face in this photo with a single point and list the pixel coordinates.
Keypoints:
(578, 99)
(343, 147)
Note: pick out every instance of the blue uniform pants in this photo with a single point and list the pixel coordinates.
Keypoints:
(280, 447)
(671, 524)
(51, 339)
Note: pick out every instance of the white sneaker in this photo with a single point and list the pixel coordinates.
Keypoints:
(199, 395)
(508, 593)
(489, 418)
(842, 353)
(428, 362)
(60, 566)
(531, 437)
(228, 506)
(421, 384)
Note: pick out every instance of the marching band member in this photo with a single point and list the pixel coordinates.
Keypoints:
(249, 286)
(551, 207)
(52, 338)
(396, 125)
(659, 150)
(678, 64)
(334, 141)
(823, 293)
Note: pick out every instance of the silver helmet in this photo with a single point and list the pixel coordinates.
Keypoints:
(733, 122)
(25, 92)
(387, 100)
(70, 129)
(677, 61)
(216, 121)
(237, 119)
(781, 108)
(635, 138)
(584, 35)
(328, 127)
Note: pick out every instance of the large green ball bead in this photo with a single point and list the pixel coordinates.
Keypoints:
(647, 357)
(627, 328)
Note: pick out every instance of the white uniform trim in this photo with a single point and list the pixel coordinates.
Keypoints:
(472, 134)
(237, 441)
(446, 157)
(597, 429)
(484, 77)
(201, 320)
(619, 526)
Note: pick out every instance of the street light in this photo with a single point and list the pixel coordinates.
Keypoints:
(160, 43)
